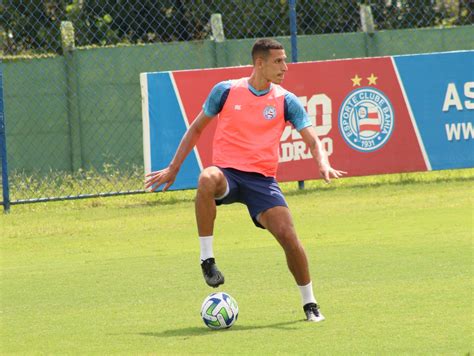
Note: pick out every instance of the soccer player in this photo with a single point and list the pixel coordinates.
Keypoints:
(251, 114)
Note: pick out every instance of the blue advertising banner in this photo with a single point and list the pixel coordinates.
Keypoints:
(164, 126)
(440, 91)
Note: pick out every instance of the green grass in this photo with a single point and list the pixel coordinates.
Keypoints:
(53, 184)
(391, 261)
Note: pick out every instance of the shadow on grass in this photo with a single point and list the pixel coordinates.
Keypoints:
(201, 331)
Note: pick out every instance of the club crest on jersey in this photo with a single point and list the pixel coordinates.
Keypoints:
(366, 119)
(270, 112)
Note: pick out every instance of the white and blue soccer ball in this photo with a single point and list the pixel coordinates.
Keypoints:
(219, 311)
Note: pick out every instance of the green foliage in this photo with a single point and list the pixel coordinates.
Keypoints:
(34, 25)
(328, 16)
(421, 13)
(31, 26)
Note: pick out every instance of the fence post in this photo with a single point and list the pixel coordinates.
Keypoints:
(293, 32)
(73, 113)
(220, 50)
(368, 27)
(3, 151)
(294, 48)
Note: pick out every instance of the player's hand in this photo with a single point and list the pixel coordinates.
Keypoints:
(327, 172)
(155, 179)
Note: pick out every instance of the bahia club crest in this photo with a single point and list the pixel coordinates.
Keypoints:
(270, 112)
(366, 117)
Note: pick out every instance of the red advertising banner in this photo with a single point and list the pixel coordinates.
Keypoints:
(357, 106)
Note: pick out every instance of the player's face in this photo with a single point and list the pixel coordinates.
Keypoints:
(274, 66)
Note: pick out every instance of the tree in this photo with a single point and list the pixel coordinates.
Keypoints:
(34, 25)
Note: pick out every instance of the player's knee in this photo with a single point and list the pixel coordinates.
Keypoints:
(288, 239)
(206, 182)
(209, 180)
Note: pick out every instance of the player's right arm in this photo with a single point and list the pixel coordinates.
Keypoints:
(167, 175)
(213, 105)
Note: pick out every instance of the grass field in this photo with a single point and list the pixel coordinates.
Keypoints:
(391, 259)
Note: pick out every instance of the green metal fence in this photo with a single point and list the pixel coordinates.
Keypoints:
(72, 104)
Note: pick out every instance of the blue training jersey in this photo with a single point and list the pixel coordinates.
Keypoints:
(294, 110)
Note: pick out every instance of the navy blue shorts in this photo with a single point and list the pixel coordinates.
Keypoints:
(257, 192)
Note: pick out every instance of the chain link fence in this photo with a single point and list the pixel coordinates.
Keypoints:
(71, 70)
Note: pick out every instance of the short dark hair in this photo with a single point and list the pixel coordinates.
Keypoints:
(263, 46)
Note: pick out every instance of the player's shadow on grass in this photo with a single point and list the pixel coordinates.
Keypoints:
(198, 331)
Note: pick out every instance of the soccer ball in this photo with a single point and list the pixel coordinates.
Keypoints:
(219, 311)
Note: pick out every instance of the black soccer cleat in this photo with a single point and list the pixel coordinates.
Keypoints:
(312, 312)
(212, 276)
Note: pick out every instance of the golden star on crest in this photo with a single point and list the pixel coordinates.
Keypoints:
(356, 80)
(372, 79)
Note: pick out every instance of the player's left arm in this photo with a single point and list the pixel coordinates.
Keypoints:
(296, 114)
(320, 155)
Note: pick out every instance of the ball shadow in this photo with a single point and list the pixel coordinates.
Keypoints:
(201, 331)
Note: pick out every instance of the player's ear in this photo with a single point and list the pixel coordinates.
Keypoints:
(259, 61)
